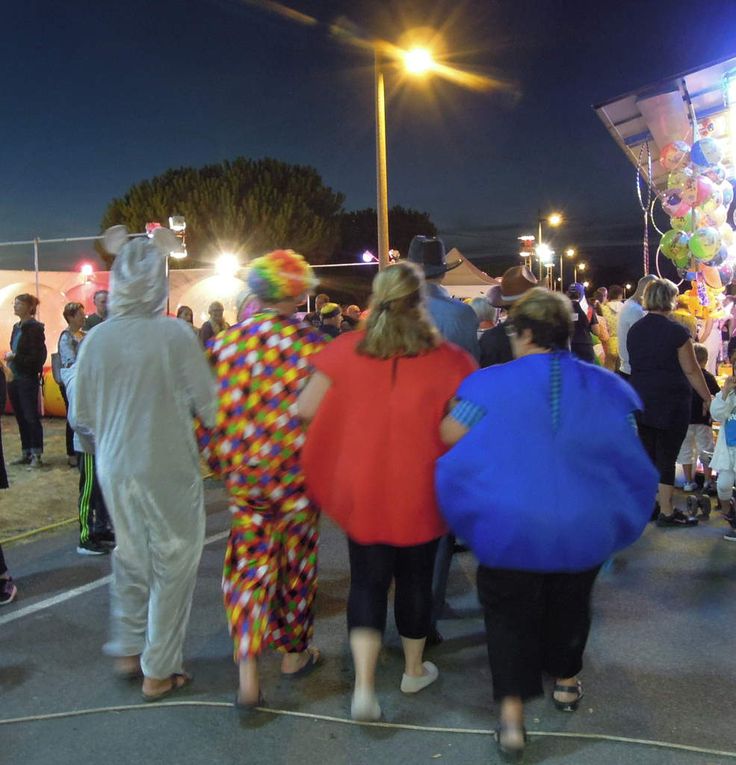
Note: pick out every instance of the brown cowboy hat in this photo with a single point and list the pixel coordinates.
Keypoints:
(429, 253)
(514, 283)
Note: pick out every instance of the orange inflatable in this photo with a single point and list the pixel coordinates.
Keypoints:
(53, 403)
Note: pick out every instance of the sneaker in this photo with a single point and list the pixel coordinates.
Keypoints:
(690, 486)
(35, 462)
(8, 591)
(411, 684)
(24, 459)
(106, 538)
(92, 547)
(730, 536)
(678, 519)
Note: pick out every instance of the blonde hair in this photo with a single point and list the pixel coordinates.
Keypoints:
(398, 324)
(659, 295)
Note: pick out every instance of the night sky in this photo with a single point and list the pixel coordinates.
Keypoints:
(98, 96)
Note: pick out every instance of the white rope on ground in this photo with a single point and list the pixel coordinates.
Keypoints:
(69, 594)
(344, 721)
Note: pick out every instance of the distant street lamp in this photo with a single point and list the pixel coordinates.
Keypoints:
(627, 287)
(227, 264)
(581, 267)
(553, 219)
(570, 253)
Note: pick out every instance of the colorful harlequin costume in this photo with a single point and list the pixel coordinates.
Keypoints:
(270, 572)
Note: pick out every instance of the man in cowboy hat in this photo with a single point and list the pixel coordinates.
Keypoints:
(495, 347)
(456, 321)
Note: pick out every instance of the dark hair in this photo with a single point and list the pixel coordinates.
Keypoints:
(30, 300)
(100, 292)
(547, 315)
(181, 310)
(70, 309)
(615, 291)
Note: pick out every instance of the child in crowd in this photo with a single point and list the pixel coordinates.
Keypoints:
(699, 439)
(723, 409)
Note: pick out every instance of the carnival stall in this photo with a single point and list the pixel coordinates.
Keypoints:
(680, 134)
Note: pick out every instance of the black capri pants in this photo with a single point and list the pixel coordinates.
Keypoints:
(662, 445)
(535, 623)
(372, 567)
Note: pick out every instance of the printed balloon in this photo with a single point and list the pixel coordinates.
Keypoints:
(685, 222)
(717, 173)
(674, 245)
(698, 190)
(674, 155)
(705, 243)
(727, 235)
(727, 192)
(705, 153)
(720, 258)
(674, 203)
(726, 274)
(678, 178)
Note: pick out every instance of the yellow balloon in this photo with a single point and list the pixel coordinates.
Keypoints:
(53, 403)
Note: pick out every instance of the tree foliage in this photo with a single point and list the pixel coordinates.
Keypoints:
(246, 206)
(358, 230)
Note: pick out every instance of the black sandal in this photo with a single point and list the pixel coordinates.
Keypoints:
(568, 706)
(509, 753)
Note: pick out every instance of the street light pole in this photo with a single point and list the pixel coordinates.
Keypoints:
(381, 164)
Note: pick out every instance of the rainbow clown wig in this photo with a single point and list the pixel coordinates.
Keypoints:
(280, 275)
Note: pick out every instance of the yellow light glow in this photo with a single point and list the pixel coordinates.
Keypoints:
(418, 61)
(582, 266)
(570, 252)
(555, 219)
(227, 264)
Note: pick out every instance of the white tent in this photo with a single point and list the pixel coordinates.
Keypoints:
(467, 280)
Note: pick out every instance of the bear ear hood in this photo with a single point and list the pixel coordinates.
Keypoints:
(138, 284)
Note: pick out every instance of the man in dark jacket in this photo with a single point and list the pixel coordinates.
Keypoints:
(26, 360)
(495, 347)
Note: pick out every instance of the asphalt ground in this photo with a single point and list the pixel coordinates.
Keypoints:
(659, 676)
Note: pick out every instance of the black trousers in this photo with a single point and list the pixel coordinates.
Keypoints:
(372, 567)
(23, 395)
(69, 431)
(662, 445)
(535, 623)
(94, 519)
(3, 566)
(3, 473)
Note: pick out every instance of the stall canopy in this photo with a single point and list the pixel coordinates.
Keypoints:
(467, 280)
(646, 120)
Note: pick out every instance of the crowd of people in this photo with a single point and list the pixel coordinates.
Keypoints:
(271, 404)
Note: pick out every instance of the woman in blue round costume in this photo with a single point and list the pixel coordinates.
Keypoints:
(541, 504)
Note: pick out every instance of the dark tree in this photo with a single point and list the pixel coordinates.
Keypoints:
(244, 206)
(358, 231)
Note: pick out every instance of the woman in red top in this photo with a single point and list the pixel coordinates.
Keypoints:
(388, 387)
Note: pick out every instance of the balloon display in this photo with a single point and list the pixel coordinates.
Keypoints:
(674, 155)
(705, 153)
(705, 243)
(674, 245)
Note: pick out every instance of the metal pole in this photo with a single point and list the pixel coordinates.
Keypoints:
(562, 281)
(539, 242)
(35, 268)
(381, 169)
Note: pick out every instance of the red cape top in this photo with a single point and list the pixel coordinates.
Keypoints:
(370, 452)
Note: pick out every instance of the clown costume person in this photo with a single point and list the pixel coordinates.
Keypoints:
(141, 378)
(270, 573)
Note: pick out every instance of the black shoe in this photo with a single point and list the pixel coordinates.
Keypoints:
(107, 537)
(655, 512)
(92, 547)
(509, 753)
(677, 519)
(433, 637)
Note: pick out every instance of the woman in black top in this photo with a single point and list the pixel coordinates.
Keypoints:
(664, 372)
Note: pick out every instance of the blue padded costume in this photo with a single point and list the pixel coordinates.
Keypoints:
(554, 477)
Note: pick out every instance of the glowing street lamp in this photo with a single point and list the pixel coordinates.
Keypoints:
(553, 219)
(576, 267)
(627, 287)
(227, 265)
(418, 61)
(369, 257)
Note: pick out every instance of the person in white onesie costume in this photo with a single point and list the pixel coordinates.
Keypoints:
(141, 378)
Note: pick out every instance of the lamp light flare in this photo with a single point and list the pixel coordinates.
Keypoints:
(555, 219)
(369, 257)
(227, 264)
(570, 252)
(418, 61)
(86, 269)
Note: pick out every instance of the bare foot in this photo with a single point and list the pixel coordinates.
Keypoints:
(295, 662)
(128, 667)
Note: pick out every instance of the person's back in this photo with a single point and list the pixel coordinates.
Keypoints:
(139, 369)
